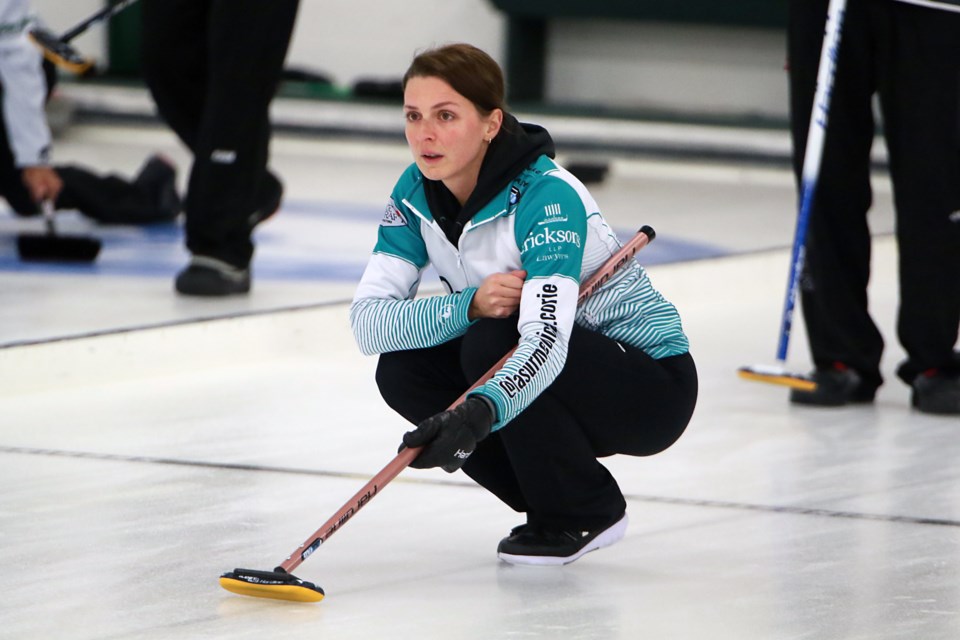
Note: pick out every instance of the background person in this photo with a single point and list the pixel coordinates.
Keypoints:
(909, 57)
(213, 67)
(27, 176)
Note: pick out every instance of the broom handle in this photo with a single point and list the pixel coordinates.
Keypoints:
(810, 173)
(407, 455)
(103, 14)
(47, 207)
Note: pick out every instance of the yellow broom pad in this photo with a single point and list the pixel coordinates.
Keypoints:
(778, 377)
(294, 593)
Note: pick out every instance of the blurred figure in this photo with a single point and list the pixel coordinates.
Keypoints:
(26, 175)
(909, 57)
(213, 67)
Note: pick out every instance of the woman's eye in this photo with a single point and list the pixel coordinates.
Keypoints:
(412, 116)
(446, 115)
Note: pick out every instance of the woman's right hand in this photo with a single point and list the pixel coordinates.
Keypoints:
(498, 296)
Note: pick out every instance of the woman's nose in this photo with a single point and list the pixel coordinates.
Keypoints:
(427, 130)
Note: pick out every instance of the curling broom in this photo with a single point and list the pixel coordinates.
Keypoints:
(59, 51)
(52, 246)
(280, 584)
(777, 374)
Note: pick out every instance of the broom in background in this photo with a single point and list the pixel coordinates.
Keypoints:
(53, 247)
(777, 374)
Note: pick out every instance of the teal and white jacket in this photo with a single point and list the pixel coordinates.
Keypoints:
(544, 222)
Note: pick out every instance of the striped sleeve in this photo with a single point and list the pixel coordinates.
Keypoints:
(629, 309)
(385, 314)
(393, 322)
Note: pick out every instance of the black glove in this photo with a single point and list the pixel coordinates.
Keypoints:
(449, 438)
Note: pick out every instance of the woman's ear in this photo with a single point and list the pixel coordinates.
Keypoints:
(494, 122)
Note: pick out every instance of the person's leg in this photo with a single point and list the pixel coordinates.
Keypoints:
(544, 462)
(608, 399)
(174, 62)
(420, 383)
(833, 283)
(247, 45)
(112, 199)
(920, 97)
(594, 408)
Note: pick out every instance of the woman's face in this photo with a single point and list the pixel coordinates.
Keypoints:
(446, 133)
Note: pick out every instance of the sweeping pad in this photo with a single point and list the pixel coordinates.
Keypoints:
(775, 375)
(278, 585)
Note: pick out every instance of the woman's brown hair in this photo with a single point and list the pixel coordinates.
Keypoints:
(470, 71)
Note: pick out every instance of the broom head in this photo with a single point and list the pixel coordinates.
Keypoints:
(276, 584)
(55, 248)
(778, 376)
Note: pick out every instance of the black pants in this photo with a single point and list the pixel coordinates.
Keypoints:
(213, 67)
(608, 399)
(909, 57)
(107, 199)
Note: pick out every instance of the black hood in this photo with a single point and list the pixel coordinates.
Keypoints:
(516, 147)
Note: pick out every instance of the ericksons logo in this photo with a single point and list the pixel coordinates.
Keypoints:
(553, 213)
(513, 384)
(548, 236)
(392, 216)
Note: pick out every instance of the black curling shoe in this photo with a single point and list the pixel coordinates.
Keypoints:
(937, 393)
(210, 277)
(532, 545)
(836, 387)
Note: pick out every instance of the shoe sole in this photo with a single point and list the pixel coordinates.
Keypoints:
(203, 278)
(936, 406)
(610, 536)
(210, 293)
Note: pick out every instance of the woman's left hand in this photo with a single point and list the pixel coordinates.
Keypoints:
(498, 296)
(449, 437)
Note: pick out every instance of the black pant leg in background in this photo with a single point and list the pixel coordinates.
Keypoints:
(108, 199)
(213, 67)
(174, 62)
(919, 89)
(833, 284)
